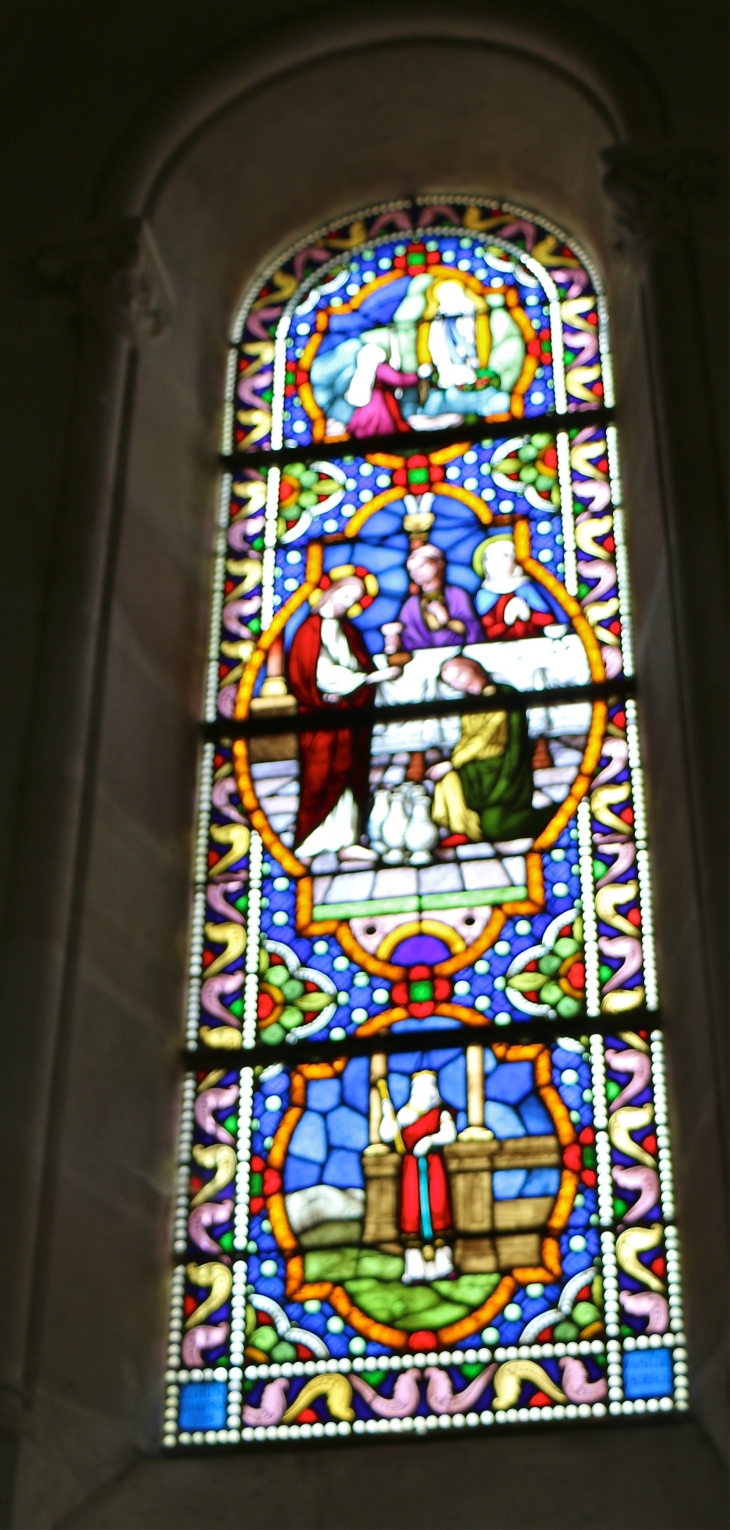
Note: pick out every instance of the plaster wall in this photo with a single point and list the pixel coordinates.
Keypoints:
(100, 783)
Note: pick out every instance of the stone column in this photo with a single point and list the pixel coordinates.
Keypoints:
(475, 1130)
(378, 1070)
(381, 1168)
(475, 1086)
(112, 279)
(661, 194)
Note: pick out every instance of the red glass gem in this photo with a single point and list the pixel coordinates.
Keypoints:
(257, 1165)
(659, 1266)
(422, 1010)
(256, 1204)
(587, 1135)
(577, 975)
(588, 1177)
(422, 1339)
(272, 1181)
(571, 1156)
(649, 1144)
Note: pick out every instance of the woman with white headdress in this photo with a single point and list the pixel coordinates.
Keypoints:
(510, 604)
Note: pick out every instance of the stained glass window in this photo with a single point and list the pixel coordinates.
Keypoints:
(424, 1173)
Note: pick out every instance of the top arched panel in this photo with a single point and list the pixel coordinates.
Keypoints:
(415, 318)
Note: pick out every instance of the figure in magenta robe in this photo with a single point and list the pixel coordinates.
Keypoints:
(439, 614)
(329, 665)
(380, 413)
(421, 1127)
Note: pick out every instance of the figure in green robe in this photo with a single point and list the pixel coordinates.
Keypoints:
(486, 790)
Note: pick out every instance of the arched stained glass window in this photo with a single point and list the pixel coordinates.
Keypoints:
(424, 1167)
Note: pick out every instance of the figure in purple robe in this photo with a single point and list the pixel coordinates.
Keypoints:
(439, 615)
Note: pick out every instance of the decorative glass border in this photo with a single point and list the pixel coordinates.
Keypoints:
(638, 1363)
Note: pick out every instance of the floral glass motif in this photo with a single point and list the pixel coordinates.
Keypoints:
(424, 1167)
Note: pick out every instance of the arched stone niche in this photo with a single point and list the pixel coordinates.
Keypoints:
(229, 173)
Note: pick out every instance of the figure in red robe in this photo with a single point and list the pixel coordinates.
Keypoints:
(419, 1130)
(329, 665)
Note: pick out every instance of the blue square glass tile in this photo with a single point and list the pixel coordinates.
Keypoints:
(648, 1373)
(203, 1405)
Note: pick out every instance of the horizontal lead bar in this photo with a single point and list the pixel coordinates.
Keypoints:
(324, 719)
(417, 443)
(353, 1045)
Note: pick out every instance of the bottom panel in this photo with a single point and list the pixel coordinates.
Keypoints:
(425, 1239)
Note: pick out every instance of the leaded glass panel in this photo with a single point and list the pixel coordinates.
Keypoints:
(424, 1173)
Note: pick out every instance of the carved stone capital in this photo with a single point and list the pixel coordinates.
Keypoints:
(114, 273)
(655, 187)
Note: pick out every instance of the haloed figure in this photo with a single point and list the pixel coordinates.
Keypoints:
(509, 603)
(329, 665)
(419, 1130)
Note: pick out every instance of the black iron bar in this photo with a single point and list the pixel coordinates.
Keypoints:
(417, 442)
(460, 1035)
(328, 718)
